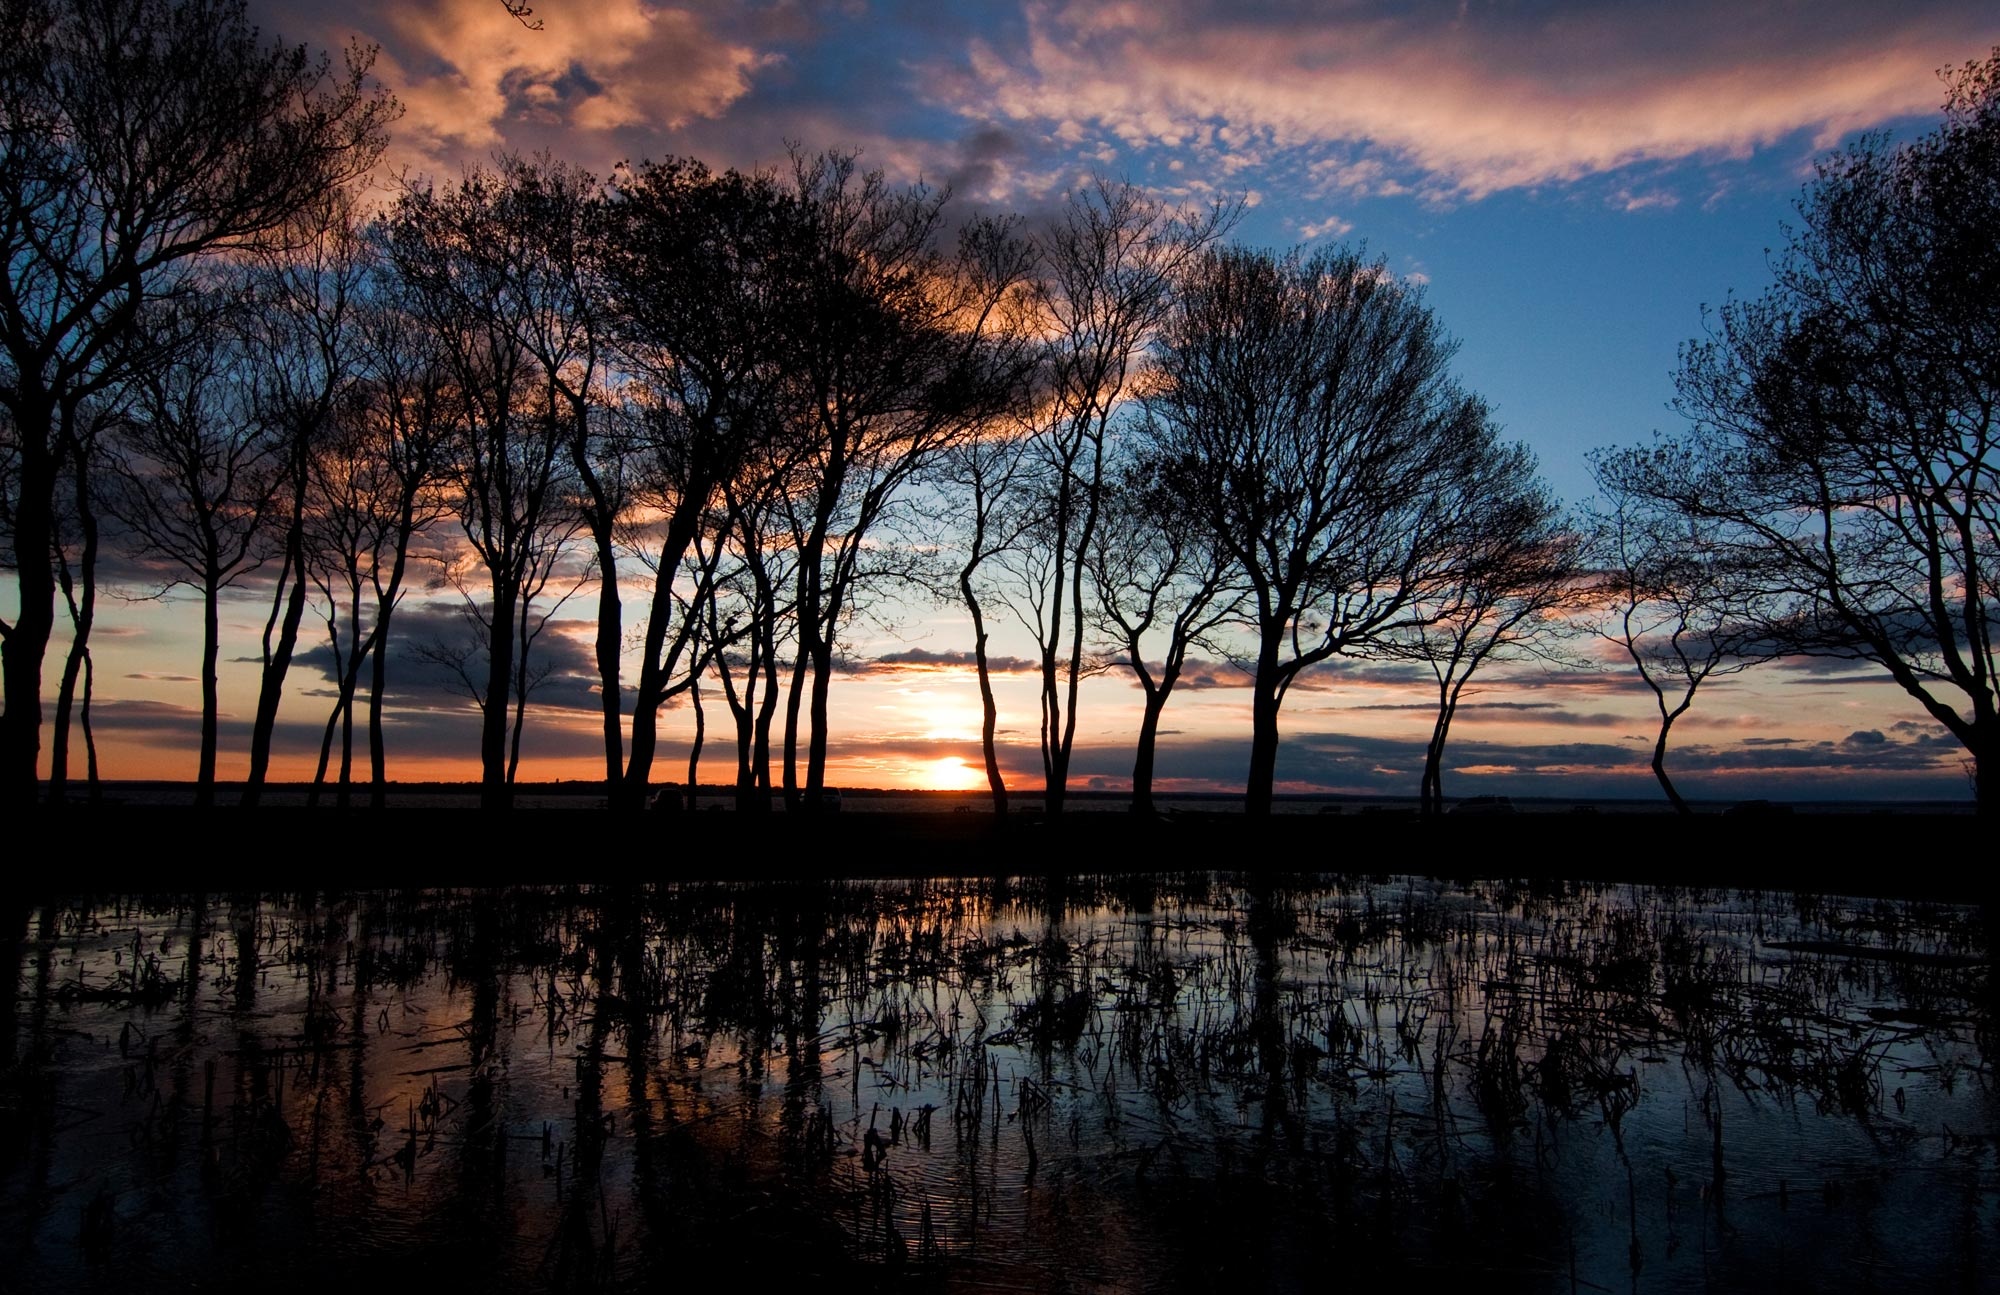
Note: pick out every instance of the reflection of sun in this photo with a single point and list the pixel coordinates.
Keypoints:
(951, 774)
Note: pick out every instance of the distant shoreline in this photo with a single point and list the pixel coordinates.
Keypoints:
(587, 794)
(1908, 853)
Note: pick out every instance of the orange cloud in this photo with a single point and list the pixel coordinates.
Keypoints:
(473, 79)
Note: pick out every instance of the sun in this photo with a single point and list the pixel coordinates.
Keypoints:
(952, 773)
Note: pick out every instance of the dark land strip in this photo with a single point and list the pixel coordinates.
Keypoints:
(81, 850)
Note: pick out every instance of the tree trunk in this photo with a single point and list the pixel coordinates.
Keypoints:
(650, 691)
(343, 797)
(1985, 748)
(1055, 760)
(610, 637)
(278, 662)
(211, 636)
(83, 613)
(989, 720)
(350, 683)
(1258, 789)
(816, 748)
(1660, 768)
(494, 791)
(1431, 797)
(794, 702)
(90, 737)
(700, 736)
(378, 637)
(27, 643)
(767, 714)
(521, 686)
(1142, 756)
(59, 738)
(325, 755)
(610, 611)
(1266, 692)
(378, 680)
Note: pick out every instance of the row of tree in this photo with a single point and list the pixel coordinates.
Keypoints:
(758, 401)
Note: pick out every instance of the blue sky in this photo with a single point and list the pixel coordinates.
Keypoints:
(1575, 179)
(1571, 180)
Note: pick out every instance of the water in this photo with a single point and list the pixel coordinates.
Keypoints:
(1132, 1083)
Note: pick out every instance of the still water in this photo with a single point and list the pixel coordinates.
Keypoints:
(1098, 1084)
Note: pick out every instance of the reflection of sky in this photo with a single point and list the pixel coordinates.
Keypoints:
(1088, 1058)
(1573, 181)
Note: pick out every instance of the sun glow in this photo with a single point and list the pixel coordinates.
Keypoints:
(952, 774)
(942, 717)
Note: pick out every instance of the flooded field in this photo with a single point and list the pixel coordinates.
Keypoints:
(1130, 1083)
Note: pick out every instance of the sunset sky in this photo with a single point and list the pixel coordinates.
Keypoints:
(1571, 181)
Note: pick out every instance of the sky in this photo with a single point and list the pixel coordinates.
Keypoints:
(1572, 182)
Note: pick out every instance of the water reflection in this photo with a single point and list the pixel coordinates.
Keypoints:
(1130, 1083)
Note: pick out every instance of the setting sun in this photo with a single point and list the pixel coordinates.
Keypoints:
(953, 774)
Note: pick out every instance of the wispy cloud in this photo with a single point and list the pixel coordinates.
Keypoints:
(1463, 101)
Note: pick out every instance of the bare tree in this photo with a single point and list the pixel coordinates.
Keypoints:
(1105, 274)
(1685, 608)
(1160, 580)
(78, 534)
(1513, 570)
(136, 138)
(1309, 420)
(557, 209)
(978, 480)
(881, 340)
(197, 478)
(980, 477)
(301, 342)
(465, 661)
(687, 264)
(761, 584)
(457, 253)
(375, 486)
(1844, 433)
(409, 407)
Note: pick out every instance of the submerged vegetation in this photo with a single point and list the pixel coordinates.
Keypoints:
(1154, 1081)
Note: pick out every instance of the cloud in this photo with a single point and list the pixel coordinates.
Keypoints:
(472, 79)
(1464, 101)
(563, 654)
(1329, 227)
(922, 659)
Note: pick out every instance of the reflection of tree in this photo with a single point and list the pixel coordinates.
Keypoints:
(1297, 1064)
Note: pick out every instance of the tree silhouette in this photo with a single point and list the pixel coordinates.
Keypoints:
(558, 226)
(198, 476)
(1309, 421)
(136, 138)
(688, 265)
(1103, 286)
(301, 339)
(78, 530)
(1843, 425)
(882, 339)
(376, 483)
(457, 254)
(1160, 578)
(1684, 608)
(1514, 567)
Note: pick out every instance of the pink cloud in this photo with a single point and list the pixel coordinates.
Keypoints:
(1471, 101)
